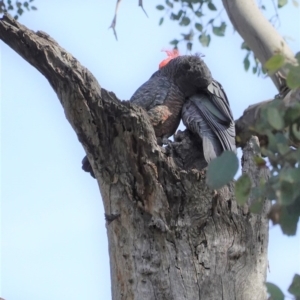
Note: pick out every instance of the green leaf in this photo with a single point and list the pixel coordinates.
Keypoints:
(243, 189)
(20, 11)
(257, 205)
(211, 6)
(204, 39)
(174, 42)
(294, 288)
(33, 8)
(245, 46)
(259, 161)
(274, 291)
(246, 62)
(288, 221)
(295, 130)
(282, 3)
(292, 114)
(222, 169)
(170, 4)
(293, 77)
(199, 13)
(161, 21)
(286, 193)
(189, 46)
(275, 63)
(199, 27)
(160, 7)
(219, 31)
(185, 21)
(274, 118)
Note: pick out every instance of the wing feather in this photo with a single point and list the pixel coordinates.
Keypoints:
(207, 116)
(152, 93)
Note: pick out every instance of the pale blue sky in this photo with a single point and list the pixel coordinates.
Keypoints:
(54, 243)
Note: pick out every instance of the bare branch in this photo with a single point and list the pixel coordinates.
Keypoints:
(141, 5)
(259, 35)
(114, 21)
(245, 124)
(169, 236)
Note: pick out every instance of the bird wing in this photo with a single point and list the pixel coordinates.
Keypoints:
(153, 92)
(219, 99)
(194, 118)
(203, 117)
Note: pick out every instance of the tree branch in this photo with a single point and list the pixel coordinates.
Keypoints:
(244, 125)
(259, 35)
(169, 236)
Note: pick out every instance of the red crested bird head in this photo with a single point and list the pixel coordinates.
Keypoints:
(171, 54)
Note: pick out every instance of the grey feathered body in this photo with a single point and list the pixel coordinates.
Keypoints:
(184, 88)
(208, 115)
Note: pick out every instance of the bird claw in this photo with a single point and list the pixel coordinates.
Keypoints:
(166, 141)
(161, 141)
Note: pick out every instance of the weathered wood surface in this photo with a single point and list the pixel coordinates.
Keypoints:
(173, 238)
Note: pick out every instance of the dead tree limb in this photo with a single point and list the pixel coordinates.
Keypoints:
(169, 236)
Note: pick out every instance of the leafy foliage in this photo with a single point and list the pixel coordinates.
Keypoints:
(222, 169)
(243, 189)
(274, 291)
(201, 20)
(17, 8)
(280, 125)
(294, 288)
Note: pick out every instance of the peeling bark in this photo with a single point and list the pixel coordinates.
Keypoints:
(169, 236)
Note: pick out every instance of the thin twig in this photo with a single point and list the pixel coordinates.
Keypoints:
(141, 5)
(114, 21)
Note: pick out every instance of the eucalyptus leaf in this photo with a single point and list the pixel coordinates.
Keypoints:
(222, 169)
(274, 118)
(293, 77)
(246, 62)
(275, 62)
(243, 189)
(288, 221)
(274, 291)
(160, 7)
(211, 6)
(199, 27)
(256, 206)
(204, 39)
(282, 3)
(185, 21)
(294, 288)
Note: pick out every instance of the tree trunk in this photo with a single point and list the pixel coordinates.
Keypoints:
(170, 237)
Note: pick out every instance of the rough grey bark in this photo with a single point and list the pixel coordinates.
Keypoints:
(251, 115)
(173, 238)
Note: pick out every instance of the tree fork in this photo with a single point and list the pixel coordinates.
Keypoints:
(173, 237)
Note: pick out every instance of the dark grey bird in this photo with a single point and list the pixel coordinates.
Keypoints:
(183, 88)
(165, 93)
(207, 114)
